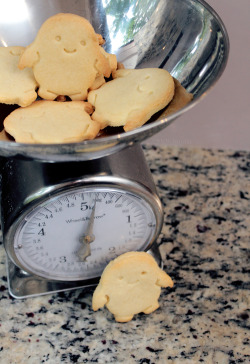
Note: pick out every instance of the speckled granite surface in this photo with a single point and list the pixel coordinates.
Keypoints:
(204, 244)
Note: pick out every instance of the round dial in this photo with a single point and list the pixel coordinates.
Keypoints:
(72, 236)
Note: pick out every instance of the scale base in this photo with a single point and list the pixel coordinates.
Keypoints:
(23, 285)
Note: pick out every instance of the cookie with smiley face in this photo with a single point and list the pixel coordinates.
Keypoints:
(132, 97)
(130, 284)
(66, 57)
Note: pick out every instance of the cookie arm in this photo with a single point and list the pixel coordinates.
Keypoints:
(137, 118)
(163, 280)
(99, 299)
(102, 66)
(29, 57)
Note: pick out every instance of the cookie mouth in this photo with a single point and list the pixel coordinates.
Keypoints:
(69, 51)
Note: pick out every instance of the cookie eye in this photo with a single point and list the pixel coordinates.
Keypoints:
(143, 273)
(58, 38)
(83, 43)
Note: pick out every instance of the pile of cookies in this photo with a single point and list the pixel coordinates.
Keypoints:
(69, 88)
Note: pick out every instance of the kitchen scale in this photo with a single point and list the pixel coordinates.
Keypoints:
(63, 222)
(67, 210)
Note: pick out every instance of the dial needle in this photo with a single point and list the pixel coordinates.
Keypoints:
(87, 238)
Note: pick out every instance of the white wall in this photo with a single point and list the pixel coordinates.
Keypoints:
(222, 118)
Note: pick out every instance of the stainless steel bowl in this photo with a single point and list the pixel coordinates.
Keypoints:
(185, 37)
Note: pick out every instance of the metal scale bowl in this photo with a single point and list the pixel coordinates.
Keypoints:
(68, 209)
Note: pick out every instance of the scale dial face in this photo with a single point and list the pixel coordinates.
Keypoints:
(73, 235)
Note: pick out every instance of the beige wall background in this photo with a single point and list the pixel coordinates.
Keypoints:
(222, 119)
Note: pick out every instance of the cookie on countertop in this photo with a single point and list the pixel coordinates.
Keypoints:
(16, 86)
(132, 97)
(130, 284)
(65, 57)
(54, 122)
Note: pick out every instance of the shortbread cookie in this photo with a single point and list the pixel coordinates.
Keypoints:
(130, 284)
(16, 86)
(132, 97)
(66, 57)
(51, 122)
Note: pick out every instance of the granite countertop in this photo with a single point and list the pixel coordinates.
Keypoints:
(204, 243)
